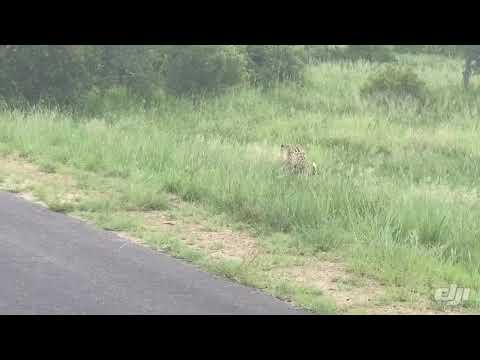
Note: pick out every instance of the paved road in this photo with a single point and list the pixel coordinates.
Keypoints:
(53, 264)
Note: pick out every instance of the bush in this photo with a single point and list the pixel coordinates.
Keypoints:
(321, 53)
(372, 53)
(270, 64)
(193, 69)
(63, 74)
(138, 68)
(448, 50)
(410, 49)
(49, 72)
(396, 82)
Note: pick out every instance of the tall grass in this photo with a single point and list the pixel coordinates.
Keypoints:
(397, 190)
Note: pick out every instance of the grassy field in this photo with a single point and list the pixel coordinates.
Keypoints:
(396, 196)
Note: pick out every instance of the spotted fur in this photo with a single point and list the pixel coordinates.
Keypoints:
(295, 160)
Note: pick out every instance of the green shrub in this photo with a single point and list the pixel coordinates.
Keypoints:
(397, 82)
(372, 53)
(193, 69)
(138, 68)
(63, 74)
(411, 49)
(322, 53)
(113, 100)
(270, 64)
(448, 50)
(48, 72)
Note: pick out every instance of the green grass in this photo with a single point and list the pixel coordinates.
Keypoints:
(47, 167)
(397, 192)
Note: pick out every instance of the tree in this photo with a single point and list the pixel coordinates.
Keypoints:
(136, 67)
(196, 69)
(63, 73)
(36, 72)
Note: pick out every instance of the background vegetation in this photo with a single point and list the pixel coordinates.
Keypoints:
(397, 194)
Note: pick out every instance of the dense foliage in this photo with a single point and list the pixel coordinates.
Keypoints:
(204, 68)
(66, 74)
(33, 73)
(271, 64)
(449, 50)
(396, 82)
(370, 53)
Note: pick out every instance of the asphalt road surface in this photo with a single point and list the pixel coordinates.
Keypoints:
(53, 264)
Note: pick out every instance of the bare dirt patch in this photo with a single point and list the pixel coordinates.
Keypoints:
(15, 166)
(334, 280)
(23, 178)
(219, 242)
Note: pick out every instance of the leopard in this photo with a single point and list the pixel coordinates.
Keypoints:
(295, 160)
